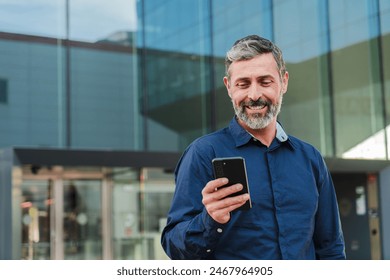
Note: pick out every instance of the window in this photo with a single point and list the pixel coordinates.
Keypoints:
(3, 91)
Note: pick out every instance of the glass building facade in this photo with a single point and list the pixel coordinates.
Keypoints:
(146, 76)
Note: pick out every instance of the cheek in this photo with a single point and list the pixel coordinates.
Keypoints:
(273, 95)
(237, 97)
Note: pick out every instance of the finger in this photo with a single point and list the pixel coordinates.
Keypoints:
(220, 194)
(224, 192)
(226, 204)
(223, 215)
(235, 206)
(214, 184)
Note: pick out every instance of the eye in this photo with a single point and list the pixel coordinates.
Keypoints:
(266, 83)
(242, 84)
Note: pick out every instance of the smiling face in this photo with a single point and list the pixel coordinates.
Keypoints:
(256, 90)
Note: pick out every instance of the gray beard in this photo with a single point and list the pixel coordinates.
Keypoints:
(256, 121)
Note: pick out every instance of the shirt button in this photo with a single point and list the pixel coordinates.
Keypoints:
(219, 230)
(208, 250)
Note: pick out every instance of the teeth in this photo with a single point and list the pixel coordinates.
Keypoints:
(256, 107)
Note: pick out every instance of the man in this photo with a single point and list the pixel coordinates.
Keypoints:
(294, 212)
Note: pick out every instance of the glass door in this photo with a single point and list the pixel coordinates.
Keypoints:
(35, 213)
(91, 213)
(140, 203)
(60, 213)
(82, 220)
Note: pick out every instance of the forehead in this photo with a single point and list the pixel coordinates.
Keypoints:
(261, 65)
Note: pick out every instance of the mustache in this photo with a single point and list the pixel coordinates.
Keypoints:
(260, 102)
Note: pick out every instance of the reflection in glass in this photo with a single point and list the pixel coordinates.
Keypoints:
(109, 22)
(358, 104)
(82, 220)
(305, 53)
(141, 200)
(103, 75)
(36, 201)
(385, 52)
(59, 89)
(177, 74)
(40, 18)
(127, 242)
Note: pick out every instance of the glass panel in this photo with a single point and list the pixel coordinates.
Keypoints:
(82, 220)
(127, 239)
(233, 20)
(97, 20)
(305, 111)
(36, 201)
(358, 104)
(31, 59)
(139, 212)
(103, 85)
(177, 72)
(385, 40)
(156, 199)
(40, 18)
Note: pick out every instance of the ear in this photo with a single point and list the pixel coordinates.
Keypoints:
(285, 82)
(227, 84)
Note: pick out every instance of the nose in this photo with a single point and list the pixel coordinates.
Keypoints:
(254, 92)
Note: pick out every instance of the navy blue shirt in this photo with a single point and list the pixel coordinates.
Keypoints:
(294, 211)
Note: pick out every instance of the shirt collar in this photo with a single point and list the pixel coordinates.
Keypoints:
(242, 136)
(281, 135)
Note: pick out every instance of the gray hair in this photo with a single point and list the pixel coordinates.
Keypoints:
(251, 46)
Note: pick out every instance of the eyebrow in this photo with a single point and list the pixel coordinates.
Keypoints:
(260, 77)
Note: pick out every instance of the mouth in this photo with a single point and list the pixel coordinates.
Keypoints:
(256, 106)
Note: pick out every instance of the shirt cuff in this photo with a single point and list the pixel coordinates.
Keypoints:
(213, 231)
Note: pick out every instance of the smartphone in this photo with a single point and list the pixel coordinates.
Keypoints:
(234, 169)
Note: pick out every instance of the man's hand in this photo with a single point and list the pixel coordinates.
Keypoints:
(217, 202)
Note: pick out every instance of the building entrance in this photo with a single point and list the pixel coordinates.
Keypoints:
(90, 213)
(60, 213)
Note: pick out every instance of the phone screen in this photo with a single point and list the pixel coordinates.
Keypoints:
(234, 169)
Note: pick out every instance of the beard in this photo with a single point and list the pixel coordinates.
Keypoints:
(257, 120)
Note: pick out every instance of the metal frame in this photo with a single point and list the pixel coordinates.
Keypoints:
(103, 158)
